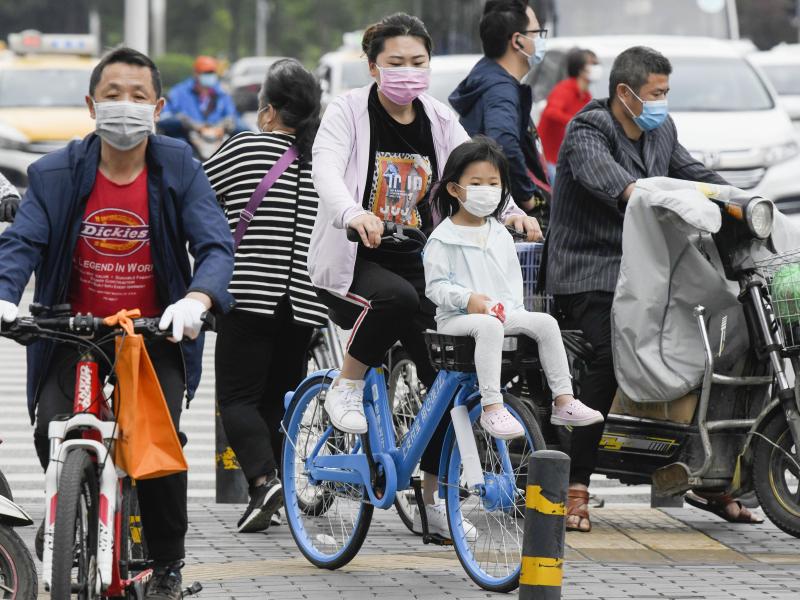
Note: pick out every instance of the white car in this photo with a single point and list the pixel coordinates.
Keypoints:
(726, 112)
(782, 67)
(447, 71)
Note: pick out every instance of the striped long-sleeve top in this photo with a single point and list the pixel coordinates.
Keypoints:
(271, 261)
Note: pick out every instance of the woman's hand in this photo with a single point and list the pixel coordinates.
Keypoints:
(369, 227)
(478, 304)
(528, 225)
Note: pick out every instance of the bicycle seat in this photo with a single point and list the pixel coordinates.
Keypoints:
(457, 353)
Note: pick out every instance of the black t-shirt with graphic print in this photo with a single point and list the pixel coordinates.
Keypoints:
(402, 166)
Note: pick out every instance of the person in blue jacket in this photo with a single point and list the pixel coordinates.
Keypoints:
(200, 101)
(105, 224)
(491, 100)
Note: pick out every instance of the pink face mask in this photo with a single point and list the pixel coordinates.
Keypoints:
(402, 85)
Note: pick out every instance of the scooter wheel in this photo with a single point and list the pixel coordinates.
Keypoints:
(17, 571)
(776, 473)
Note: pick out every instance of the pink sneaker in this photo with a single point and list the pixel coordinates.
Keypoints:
(501, 424)
(576, 414)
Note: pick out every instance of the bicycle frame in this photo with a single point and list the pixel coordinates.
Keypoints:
(398, 463)
(98, 437)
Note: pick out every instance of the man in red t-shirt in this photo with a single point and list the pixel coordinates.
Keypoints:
(108, 223)
(564, 102)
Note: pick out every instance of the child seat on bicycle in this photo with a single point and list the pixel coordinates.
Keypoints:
(473, 275)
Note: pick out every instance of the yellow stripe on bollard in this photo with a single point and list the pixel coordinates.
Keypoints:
(534, 499)
(541, 570)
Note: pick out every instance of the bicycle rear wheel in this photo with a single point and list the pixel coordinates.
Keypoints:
(328, 520)
(405, 398)
(487, 531)
(75, 535)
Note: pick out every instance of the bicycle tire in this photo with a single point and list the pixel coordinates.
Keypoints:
(514, 511)
(309, 534)
(17, 571)
(131, 540)
(77, 504)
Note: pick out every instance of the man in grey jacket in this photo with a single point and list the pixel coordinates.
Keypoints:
(607, 147)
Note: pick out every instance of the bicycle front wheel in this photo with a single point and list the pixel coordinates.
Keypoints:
(487, 530)
(328, 520)
(75, 535)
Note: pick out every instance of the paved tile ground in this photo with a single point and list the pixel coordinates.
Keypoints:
(633, 553)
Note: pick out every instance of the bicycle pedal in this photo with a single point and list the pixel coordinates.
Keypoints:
(436, 540)
(192, 590)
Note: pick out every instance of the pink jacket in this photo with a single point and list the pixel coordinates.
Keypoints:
(340, 165)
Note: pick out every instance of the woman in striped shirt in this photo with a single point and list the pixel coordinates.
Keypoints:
(262, 343)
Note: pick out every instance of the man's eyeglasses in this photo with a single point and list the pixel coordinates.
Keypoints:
(538, 33)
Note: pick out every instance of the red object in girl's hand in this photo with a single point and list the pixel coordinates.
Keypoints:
(499, 311)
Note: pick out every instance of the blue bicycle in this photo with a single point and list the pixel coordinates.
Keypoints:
(333, 481)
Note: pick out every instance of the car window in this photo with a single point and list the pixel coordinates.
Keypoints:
(43, 87)
(700, 84)
(785, 78)
(355, 74)
(547, 74)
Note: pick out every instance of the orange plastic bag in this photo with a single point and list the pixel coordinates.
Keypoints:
(148, 445)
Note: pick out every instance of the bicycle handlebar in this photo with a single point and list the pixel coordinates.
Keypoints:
(86, 326)
(390, 229)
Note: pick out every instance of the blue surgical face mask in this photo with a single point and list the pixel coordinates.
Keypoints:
(654, 112)
(540, 49)
(208, 80)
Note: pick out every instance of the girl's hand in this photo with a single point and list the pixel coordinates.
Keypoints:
(478, 304)
(369, 227)
(528, 225)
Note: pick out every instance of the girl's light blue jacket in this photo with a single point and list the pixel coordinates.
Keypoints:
(455, 267)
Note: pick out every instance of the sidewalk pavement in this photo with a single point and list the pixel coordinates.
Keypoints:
(633, 553)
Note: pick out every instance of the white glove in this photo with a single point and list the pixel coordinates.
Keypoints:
(8, 312)
(186, 319)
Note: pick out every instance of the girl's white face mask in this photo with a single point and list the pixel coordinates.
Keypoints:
(481, 200)
(124, 124)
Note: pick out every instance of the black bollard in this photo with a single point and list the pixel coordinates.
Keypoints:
(231, 484)
(545, 526)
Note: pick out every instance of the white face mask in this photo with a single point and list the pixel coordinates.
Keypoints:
(124, 124)
(481, 200)
(594, 72)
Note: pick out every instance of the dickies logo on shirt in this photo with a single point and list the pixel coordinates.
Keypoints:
(114, 232)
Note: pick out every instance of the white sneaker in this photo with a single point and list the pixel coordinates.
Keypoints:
(576, 414)
(437, 522)
(344, 404)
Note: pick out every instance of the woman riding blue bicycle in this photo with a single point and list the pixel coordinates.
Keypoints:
(378, 154)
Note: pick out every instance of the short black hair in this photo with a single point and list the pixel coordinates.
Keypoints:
(127, 56)
(634, 66)
(396, 25)
(478, 149)
(501, 20)
(577, 59)
(295, 94)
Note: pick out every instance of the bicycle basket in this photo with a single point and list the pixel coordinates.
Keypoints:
(782, 274)
(530, 260)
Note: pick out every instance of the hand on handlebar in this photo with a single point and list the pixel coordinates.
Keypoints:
(528, 225)
(8, 312)
(186, 318)
(369, 228)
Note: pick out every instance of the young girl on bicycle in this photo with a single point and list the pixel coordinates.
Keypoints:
(473, 275)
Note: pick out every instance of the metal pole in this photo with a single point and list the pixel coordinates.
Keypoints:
(262, 19)
(545, 526)
(158, 17)
(231, 484)
(94, 25)
(136, 25)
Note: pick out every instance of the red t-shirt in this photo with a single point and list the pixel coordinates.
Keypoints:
(112, 268)
(563, 103)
